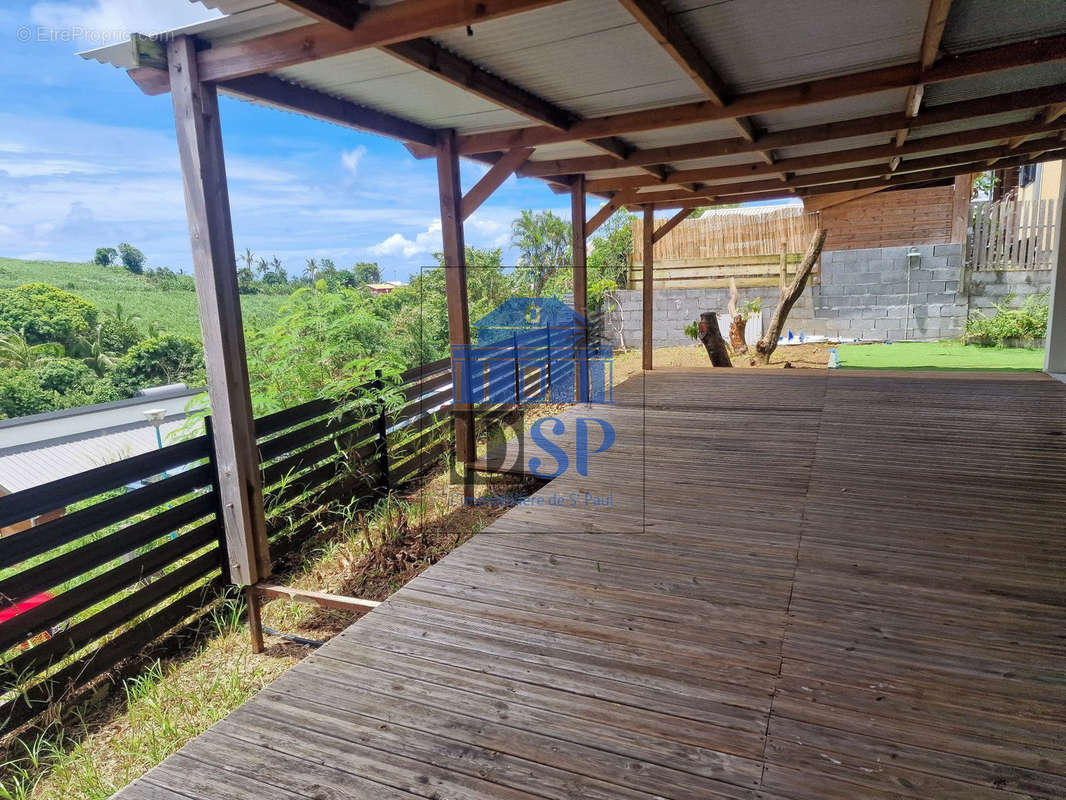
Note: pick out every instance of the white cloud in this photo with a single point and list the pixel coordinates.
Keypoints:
(424, 242)
(351, 158)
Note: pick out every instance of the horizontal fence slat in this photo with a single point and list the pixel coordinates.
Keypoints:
(415, 390)
(125, 645)
(422, 405)
(86, 595)
(42, 538)
(301, 437)
(367, 454)
(29, 503)
(63, 568)
(318, 452)
(106, 620)
(423, 370)
(286, 418)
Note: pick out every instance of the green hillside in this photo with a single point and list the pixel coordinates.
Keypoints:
(174, 310)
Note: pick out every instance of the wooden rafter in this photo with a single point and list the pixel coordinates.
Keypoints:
(491, 180)
(935, 20)
(343, 13)
(810, 134)
(808, 92)
(720, 190)
(428, 56)
(656, 19)
(319, 105)
(837, 158)
(821, 202)
(1053, 112)
(376, 27)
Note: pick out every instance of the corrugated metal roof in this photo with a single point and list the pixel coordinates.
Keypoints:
(756, 44)
(591, 57)
(47, 447)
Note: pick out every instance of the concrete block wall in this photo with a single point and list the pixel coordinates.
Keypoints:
(876, 294)
(988, 288)
(673, 310)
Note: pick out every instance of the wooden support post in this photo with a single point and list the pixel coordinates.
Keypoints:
(255, 618)
(578, 244)
(207, 204)
(451, 198)
(1055, 352)
(646, 287)
(960, 208)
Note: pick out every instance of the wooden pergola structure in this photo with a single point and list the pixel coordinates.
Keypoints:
(644, 104)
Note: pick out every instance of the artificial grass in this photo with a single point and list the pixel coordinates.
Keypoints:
(945, 355)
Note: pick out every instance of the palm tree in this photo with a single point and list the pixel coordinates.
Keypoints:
(248, 257)
(93, 354)
(16, 350)
(121, 316)
(543, 241)
(311, 270)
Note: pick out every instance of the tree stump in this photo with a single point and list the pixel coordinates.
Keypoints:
(711, 336)
(736, 335)
(737, 322)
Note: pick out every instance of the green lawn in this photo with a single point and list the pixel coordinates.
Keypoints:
(948, 355)
(175, 311)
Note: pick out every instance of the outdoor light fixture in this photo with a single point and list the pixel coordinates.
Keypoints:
(914, 258)
(156, 416)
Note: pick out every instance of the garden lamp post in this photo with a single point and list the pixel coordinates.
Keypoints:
(156, 416)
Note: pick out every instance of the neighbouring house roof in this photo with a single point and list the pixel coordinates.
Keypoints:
(45, 447)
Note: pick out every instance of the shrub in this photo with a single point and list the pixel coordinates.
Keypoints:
(159, 361)
(64, 375)
(1027, 322)
(21, 394)
(118, 335)
(167, 279)
(132, 258)
(46, 313)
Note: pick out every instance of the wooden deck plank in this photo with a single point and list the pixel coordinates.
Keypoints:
(808, 585)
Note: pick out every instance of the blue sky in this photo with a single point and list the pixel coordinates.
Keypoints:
(87, 160)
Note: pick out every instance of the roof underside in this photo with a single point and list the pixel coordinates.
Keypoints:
(593, 59)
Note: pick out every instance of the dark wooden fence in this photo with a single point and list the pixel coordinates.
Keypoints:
(140, 550)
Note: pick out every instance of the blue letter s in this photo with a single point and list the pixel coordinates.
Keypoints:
(552, 449)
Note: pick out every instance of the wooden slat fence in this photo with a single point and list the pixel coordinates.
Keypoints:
(1011, 234)
(140, 550)
(717, 272)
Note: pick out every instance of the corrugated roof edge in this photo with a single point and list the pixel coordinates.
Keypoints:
(73, 412)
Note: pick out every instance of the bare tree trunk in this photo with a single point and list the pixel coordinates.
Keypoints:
(711, 336)
(768, 343)
(737, 323)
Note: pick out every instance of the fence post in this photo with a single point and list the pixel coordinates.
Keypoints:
(381, 427)
(223, 552)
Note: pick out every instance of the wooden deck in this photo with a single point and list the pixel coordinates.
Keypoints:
(810, 586)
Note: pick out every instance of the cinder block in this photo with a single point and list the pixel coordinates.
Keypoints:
(927, 286)
(874, 313)
(952, 249)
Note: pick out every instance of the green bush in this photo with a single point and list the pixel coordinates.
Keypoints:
(64, 375)
(159, 361)
(1027, 322)
(21, 394)
(46, 313)
(118, 335)
(168, 280)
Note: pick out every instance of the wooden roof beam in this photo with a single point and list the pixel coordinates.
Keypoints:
(376, 27)
(268, 89)
(935, 21)
(977, 62)
(656, 19)
(721, 190)
(880, 152)
(811, 134)
(1054, 111)
(342, 13)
